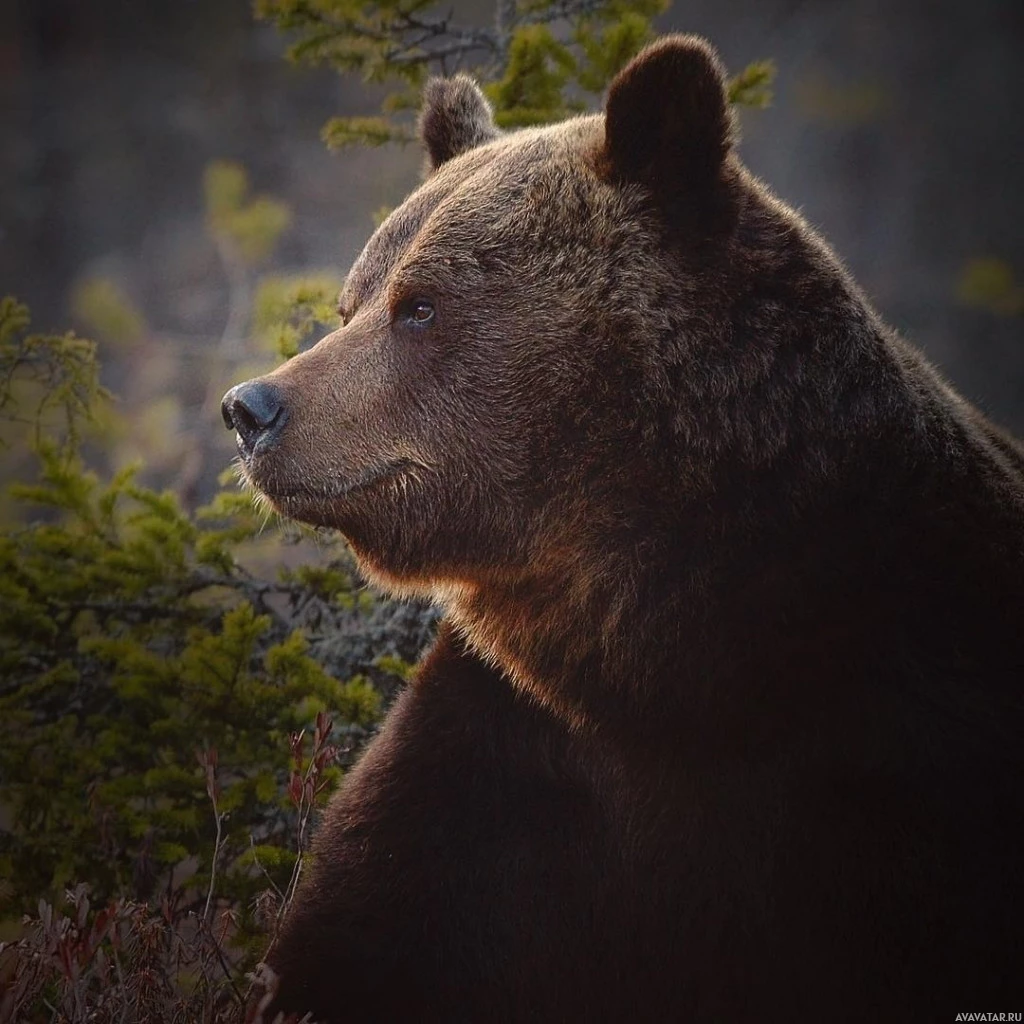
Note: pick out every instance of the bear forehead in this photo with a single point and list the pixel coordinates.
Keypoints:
(515, 186)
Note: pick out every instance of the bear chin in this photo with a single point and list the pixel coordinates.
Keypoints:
(332, 504)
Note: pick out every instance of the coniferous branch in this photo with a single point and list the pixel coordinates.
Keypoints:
(128, 631)
(540, 60)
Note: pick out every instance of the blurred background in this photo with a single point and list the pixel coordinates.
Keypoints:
(897, 128)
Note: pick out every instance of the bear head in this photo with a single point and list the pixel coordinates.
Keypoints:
(508, 332)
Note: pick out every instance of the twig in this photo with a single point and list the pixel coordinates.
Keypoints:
(411, 35)
(215, 943)
(304, 787)
(412, 59)
(266, 874)
(443, 26)
(208, 760)
(568, 9)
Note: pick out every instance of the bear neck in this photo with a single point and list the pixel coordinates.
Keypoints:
(650, 618)
(608, 632)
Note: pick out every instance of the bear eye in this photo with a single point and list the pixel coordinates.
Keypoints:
(419, 312)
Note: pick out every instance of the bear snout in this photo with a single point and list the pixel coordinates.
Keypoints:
(255, 410)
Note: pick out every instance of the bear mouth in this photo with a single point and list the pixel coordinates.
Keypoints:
(334, 490)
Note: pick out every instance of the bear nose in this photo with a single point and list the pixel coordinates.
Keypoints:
(256, 411)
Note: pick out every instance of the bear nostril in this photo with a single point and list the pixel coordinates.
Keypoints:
(255, 410)
(227, 410)
(245, 423)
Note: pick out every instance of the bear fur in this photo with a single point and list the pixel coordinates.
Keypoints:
(724, 719)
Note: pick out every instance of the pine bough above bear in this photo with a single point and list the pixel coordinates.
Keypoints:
(724, 717)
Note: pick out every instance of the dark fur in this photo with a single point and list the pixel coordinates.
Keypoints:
(725, 721)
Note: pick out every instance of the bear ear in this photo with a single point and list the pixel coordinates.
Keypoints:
(455, 118)
(668, 123)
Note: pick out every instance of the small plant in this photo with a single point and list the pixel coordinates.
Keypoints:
(132, 960)
(149, 671)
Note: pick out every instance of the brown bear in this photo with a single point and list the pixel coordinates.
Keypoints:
(724, 720)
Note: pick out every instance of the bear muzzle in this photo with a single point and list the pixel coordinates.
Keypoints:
(255, 410)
